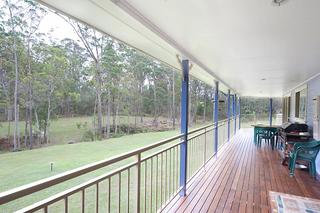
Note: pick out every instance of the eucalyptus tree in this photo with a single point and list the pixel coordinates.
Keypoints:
(14, 19)
(112, 61)
(140, 66)
(94, 43)
(34, 16)
(75, 77)
(50, 80)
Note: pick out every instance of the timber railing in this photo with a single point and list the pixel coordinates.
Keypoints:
(146, 183)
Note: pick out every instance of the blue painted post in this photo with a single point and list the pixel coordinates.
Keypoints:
(235, 113)
(184, 126)
(239, 112)
(228, 114)
(216, 116)
(270, 112)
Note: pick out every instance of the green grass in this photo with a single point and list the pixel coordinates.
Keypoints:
(19, 168)
(23, 167)
(65, 130)
(31, 165)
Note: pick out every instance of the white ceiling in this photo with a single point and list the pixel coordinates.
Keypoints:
(239, 42)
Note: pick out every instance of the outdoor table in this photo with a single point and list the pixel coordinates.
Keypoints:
(258, 127)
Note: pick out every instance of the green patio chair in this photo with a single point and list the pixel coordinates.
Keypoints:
(306, 151)
(268, 136)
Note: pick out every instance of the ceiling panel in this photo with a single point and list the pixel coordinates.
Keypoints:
(244, 41)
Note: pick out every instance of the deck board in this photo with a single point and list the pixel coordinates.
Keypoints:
(239, 178)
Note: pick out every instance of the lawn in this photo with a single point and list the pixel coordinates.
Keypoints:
(19, 168)
(23, 167)
(65, 130)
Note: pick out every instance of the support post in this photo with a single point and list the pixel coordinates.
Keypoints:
(184, 126)
(270, 111)
(228, 114)
(216, 116)
(235, 113)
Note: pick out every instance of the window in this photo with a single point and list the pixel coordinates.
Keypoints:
(300, 104)
(297, 105)
(286, 109)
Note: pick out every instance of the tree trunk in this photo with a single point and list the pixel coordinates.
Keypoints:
(113, 111)
(30, 94)
(99, 93)
(18, 129)
(30, 129)
(16, 82)
(141, 102)
(9, 122)
(155, 103)
(26, 128)
(108, 113)
(94, 118)
(47, 123)
(117, 115)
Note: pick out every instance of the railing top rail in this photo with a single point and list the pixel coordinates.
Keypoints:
(39, 185)
(55, 198)
(27, 189)
(200, 128)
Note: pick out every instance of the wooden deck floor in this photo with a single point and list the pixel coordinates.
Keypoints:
(239, 179)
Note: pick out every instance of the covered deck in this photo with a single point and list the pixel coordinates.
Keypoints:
(239, 179)
(246, 54)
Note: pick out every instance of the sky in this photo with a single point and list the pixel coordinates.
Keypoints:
(59, 28)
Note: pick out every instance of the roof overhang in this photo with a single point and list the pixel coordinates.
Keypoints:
(254, 47)
(107, 17)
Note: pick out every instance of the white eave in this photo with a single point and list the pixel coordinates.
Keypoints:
(109, 18)
(238, 43)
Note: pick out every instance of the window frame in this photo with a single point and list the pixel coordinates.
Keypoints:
(301, 97)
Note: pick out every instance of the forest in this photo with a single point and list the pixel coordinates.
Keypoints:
(111, 88)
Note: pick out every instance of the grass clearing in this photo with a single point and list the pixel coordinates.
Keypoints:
(65, 130)
(19, 168)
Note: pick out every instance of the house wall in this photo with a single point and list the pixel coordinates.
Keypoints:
(313, 90)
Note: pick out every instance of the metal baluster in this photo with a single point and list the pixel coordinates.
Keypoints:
(166, 178)
(157, 183)
(97, 197)
(170, 173)
(177, 160)
(151, 184)
(138, 181)
(175, 168)
(145, 185)
(128, 196)
(66, 204)
(119, 197)
(192, 156)
(188, 157)
(161, 167)
(109, 194)
(82, 200)
(205, 149)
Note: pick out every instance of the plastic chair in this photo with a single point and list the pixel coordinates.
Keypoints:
(268, 136)
(306, 151)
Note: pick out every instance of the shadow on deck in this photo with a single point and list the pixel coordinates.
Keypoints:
(239, 178)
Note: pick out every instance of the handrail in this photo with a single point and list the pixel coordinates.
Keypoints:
(39, 185)
(200, 128)
(50, 200)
